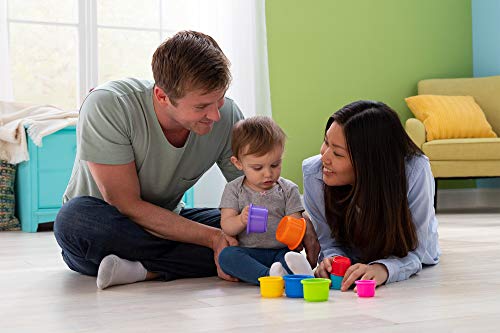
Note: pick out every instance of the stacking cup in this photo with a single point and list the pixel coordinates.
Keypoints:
(293, 285)
(257, 219)
(316, 289)
(271, 286)
(340, 265)
(290, 231)
(336, 281)
(366, 288)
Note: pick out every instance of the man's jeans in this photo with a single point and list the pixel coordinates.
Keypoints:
(88, 229)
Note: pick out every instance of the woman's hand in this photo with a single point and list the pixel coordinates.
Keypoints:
(377, 272)
(324, 268)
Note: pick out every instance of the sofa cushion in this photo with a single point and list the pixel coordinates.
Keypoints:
(449, 117)
(465, 169)
(463, 149)
(485, 91)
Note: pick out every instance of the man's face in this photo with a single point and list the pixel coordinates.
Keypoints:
(197, 111)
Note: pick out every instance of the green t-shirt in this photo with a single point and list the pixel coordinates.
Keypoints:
(118, 125)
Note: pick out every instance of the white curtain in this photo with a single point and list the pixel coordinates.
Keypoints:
(6, 93)
(239, 26)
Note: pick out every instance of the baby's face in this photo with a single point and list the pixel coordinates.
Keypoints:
(261, 172)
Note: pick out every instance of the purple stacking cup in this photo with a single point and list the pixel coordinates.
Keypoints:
(257, 219)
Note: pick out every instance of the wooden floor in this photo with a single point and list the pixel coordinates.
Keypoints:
(461, 294)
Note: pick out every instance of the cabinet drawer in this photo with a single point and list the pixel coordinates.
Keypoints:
(55, 163)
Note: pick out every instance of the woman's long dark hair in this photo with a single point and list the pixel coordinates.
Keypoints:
(373, 214)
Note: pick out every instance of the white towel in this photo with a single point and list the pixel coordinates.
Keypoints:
(41, 120)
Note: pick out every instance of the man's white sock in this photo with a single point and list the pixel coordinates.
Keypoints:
(115, 270)
(277, 269)
(298, 263)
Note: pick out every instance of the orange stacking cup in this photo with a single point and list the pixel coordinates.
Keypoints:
(291, 231)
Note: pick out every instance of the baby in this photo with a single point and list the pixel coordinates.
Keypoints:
(258, 144)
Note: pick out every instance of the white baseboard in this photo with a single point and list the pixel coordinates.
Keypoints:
(468, 198)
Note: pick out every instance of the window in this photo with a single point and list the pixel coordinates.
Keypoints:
(55, 51)
(59, 49)
(43, 49)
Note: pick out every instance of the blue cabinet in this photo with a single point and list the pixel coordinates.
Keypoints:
(42, 180)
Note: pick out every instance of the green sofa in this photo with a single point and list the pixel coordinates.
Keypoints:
(462, 158)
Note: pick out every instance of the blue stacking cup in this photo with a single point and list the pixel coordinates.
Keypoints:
(293, 286)
(336, 281)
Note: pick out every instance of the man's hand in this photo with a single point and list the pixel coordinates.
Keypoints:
(310, 242)
(377, 272)
(219, 242)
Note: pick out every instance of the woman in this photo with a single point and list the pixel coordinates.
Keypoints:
(370, 196)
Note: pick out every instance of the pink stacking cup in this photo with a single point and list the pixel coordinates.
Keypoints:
(366, 288)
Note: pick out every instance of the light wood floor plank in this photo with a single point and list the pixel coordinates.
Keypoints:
(461, 294)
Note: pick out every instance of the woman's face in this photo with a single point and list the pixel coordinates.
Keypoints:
(337, 166)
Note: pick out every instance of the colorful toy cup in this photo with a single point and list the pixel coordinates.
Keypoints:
(291, 231)
(316, 289)
(366, 288)
(336, 281)
(271, 286)
(257, 219)
(293, 285)
(340, 265)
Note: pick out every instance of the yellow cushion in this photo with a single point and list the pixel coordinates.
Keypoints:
(483, 89)
(450, 117)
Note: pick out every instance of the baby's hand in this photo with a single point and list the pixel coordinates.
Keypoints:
(244, 215)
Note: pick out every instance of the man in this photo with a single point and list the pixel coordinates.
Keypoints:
(141, 145)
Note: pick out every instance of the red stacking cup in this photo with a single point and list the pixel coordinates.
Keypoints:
(340, 265)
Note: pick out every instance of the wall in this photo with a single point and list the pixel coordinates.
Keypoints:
(324, 54)
(486, 37)
(486, 50)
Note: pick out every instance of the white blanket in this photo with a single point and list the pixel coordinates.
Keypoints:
(40, 120)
